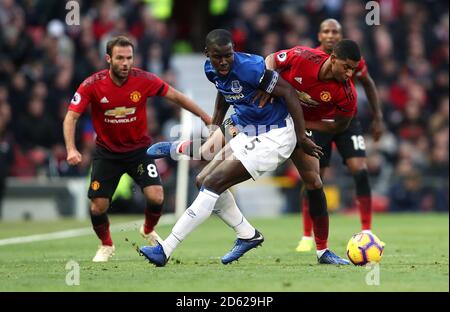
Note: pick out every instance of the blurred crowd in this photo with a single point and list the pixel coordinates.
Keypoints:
(43, 60)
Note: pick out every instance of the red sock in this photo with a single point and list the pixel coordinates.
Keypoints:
(320, 226)
(365, 210)
(307, 221)
(151, 220)
(184, 148)
(103, 233)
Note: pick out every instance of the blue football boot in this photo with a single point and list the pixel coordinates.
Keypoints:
(329, 257)
(154, 254)
(241, 246)
(162, 149)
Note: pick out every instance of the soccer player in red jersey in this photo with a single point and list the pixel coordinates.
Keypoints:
(118, 98)
(328, 96)
(350, 143)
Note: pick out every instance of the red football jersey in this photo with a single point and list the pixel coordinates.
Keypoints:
(119, 113)
(361, 70)
(300, 66)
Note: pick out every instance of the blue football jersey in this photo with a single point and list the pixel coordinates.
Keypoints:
(240, 86)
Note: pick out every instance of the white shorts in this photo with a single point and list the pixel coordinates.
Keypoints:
(265, 152)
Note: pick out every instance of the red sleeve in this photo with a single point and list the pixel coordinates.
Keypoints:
(81, 99)
(156, 86)
(361, 71)
(347, 103)
(283, 58)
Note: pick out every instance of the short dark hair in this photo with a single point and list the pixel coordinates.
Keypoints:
(347, 49)
(220, 37)
(120, 41)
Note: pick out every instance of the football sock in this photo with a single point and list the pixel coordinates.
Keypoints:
(152, 215)
(364, 198)
(190, 148)
(320, 252)
(319, 216)
(307, 221)
(100, 223)
(195, 215)
(227, 210)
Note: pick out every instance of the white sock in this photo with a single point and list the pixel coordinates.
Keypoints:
(227, 210)
(367, 231)
(195, 215)
(321, 252)
(307, 237)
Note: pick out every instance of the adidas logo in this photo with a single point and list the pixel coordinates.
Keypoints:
(104, 100)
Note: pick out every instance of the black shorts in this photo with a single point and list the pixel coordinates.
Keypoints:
(108, 167)
(350, 143)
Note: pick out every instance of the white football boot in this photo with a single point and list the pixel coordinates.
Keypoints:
(104, 253)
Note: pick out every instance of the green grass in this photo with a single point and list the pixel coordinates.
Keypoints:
(415, 259)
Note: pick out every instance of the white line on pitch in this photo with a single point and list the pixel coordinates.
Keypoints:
(167, 219)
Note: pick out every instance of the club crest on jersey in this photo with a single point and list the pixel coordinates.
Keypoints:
(135, 96)
(236, 86)
(325, 96)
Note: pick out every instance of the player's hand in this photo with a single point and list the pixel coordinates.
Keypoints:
(73, 157)
(377, 128)
(263, 98)
(310, 148)
(206, 119)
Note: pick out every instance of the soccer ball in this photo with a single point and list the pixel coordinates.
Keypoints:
(363, 248)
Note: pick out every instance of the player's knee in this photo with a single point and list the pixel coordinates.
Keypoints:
(312, 181)
(356, 164)
(199, 180)
(213, 182)
(99, 206)
(155, 196)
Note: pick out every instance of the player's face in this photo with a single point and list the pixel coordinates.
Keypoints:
(342, 69)
(121, 61)
(329, 34)
(221, 57)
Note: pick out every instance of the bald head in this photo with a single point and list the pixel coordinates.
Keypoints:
(330, 33)
(330, 22)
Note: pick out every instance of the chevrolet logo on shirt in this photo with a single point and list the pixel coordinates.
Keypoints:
(120, 112)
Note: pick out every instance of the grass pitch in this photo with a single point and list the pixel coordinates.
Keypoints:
(415, 259)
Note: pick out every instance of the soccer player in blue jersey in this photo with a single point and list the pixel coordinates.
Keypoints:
(267, 138)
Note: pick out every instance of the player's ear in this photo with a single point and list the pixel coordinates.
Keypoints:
(108, 58)
(206, 52)
(333, 58)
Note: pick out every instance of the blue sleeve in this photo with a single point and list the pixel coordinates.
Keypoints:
(255, 71)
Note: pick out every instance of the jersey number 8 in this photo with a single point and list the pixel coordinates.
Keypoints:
(152, 172)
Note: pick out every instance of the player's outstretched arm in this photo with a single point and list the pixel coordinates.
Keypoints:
(185, 102)
(70, 121)
(284, 89)
(377, 127)
(220, 109)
